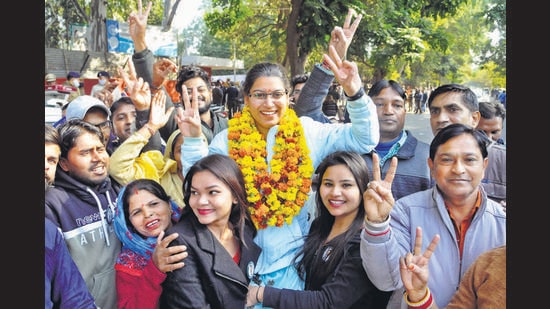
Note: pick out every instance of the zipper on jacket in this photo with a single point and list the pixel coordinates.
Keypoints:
(231, 279)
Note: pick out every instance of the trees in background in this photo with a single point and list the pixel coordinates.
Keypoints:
(417, 42)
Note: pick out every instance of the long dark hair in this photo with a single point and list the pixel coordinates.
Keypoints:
(226, 170)
(322, 224)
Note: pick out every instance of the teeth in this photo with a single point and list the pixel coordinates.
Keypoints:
(151, 223)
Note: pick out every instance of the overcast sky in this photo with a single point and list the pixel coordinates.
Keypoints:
(187, 11)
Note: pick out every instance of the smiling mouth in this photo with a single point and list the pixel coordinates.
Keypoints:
(152, 223)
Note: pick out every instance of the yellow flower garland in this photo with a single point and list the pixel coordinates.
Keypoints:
(278, 195)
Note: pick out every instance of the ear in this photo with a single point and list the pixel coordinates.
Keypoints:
(64, 164)
(485, 163)
(431, 166)
(475, 118)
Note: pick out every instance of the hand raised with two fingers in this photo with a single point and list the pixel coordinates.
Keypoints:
(378, 198)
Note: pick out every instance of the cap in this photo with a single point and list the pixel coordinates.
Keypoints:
(73, 74)
(80, 105)
(103, 73)
(50, 77)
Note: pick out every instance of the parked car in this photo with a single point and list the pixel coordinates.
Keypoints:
(55, 97)
(52, 110)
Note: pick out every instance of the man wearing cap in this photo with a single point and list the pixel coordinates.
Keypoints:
(50, 79)
(103, 78)
(73, 80)
(91, 110)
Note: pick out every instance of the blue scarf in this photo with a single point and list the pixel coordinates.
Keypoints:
(134, 246)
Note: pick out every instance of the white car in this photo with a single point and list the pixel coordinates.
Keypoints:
(52, 110)
(55, 97)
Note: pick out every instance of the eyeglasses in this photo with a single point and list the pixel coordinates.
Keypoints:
(263, 95)
(104, 125)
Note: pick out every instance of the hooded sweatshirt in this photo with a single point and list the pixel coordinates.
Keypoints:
(85, 216)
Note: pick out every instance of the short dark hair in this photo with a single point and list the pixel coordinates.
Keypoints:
(383, 84)
(469, 97)
(298, 79)
(120, 102)
(454, 130)
(492, 109)
(188, 72)
(71, 130)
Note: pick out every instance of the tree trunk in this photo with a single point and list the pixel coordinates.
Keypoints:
(296, 61)
(167, 24)
(378, 75)
(97, 31)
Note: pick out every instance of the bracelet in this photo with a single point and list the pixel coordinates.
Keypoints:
(151, 131)
(424, 303)
(258, 292)
(356, 96)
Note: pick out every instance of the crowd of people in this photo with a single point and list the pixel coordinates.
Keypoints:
(154, 201)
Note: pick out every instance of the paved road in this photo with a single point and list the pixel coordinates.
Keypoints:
(419, 125)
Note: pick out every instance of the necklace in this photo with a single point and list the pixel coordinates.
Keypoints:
(276, 195)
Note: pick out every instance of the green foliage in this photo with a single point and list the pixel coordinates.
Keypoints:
(420, 42)
(59, 15)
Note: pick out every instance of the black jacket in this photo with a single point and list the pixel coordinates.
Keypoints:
(347, 287)
(210, 277)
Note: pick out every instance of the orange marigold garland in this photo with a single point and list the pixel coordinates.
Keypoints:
(277, 195)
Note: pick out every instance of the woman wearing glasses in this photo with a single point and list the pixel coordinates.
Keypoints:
(278, 152)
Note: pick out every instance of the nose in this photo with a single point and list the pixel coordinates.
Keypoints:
(148, 212)
(458, 167)
(387, 109)
(203, 199)
(269, 99)
(336, 191)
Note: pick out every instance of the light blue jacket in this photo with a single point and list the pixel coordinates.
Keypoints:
(280, 244)
(380, 254)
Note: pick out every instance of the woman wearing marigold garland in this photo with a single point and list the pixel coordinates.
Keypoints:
(278, 152)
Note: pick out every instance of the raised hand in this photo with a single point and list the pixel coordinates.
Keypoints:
(345, 72)
(166, 258)
(188, 118)
(106, 94)
(138, 89)
(341, 37)
(378, 198)
(414, 267)
(137, 26)
(140, 93)
(161, 70)
(158, 117)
